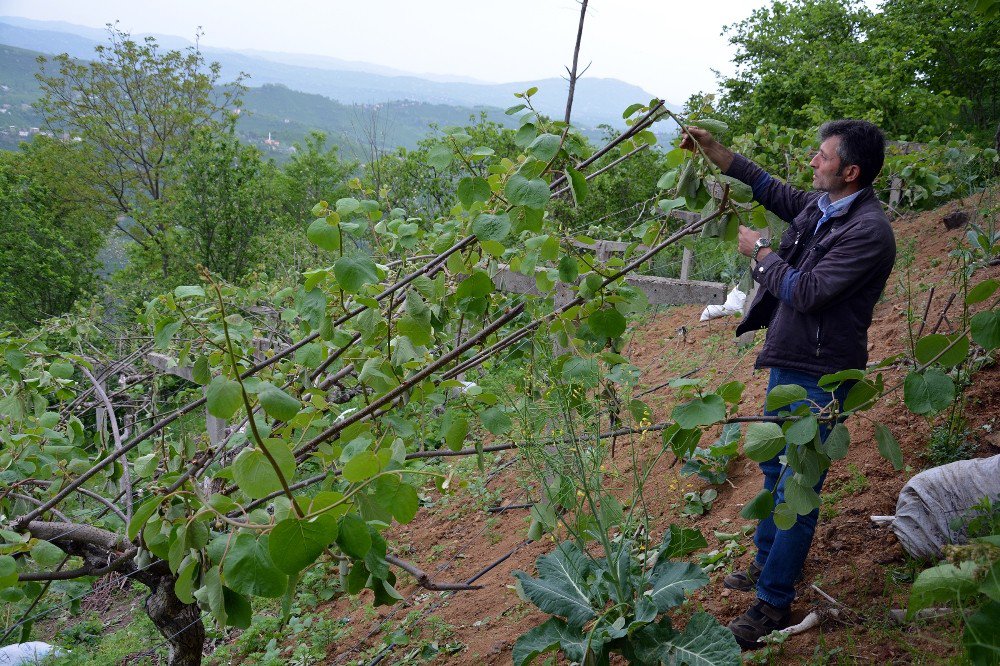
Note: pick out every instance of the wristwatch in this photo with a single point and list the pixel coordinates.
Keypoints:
(761, 243)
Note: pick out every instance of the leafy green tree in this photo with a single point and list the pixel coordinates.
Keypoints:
(424, 180)
(804, 61)
(50, 233)
(136, 107)
(224, 200)
(314, 173)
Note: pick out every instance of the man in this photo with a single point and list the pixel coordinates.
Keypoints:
(816, 297)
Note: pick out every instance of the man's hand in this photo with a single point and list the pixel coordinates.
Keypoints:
(748, 238)
(715, 151)
(692, 134)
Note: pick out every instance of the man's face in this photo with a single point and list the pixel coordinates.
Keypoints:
(827, 173)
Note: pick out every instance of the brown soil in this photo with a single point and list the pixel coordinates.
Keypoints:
(861, 566)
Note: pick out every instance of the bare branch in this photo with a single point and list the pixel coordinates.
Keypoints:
(126, 473)
(576, 57)
(424, 580)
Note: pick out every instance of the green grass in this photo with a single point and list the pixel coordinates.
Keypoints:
(89, 645)
(855, 484)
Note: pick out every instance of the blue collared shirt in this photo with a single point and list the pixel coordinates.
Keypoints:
(833, 208)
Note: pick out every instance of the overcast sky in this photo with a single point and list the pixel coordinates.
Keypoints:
(668, 48)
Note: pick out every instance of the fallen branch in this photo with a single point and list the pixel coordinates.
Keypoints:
(898, 615)
(424, 580)
(810, 621)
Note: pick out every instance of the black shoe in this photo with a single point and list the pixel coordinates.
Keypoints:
(760, 620)
(744, 581)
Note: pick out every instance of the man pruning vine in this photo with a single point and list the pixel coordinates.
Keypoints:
(816, 297)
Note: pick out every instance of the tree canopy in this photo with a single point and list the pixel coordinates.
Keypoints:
(800, 62)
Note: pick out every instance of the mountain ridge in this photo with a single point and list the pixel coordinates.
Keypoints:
(596, 101)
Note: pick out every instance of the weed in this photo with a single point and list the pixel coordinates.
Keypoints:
(855, 484)
(950, 441)
(981, 519)
(696, 504)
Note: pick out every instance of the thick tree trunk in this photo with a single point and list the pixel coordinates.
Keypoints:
(179, 623)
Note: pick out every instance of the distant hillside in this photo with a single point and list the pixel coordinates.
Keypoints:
(18, 90)
(288, 115)
(596, 101)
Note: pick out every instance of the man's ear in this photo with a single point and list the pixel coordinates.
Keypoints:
(851, 173)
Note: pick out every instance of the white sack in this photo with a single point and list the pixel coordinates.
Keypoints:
(733, 305)
(23, 654)
(932, 500)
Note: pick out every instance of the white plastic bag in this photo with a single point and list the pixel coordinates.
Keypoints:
(733, 305)
(932, 502)
(22, 654)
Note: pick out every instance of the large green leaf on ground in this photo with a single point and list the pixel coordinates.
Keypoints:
(672, 580)
(249, 569)
(645, 645)
(681, 541)
(703, 411)
(561, 588)
(945, 583)
(763, 441)
(553, 634)
(704, 642)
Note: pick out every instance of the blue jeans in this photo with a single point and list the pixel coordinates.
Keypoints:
(782, 553)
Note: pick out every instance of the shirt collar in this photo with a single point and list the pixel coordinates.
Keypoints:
(833, 208)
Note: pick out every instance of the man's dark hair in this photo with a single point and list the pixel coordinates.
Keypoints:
(861, 143)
